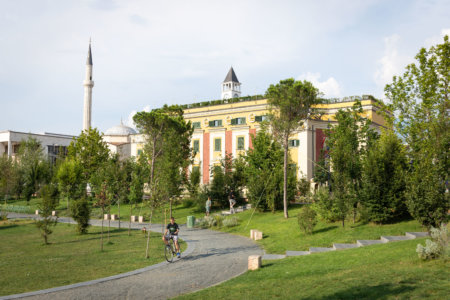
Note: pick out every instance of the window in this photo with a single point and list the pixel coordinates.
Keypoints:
(294, 143)
(238, 121)
(240, 143)
(215, 123)
(196, 125)
(217, 145)
(196, 146)
(260, 118)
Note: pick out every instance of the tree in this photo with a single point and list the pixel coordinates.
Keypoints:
(47, 205)
(384, 179)
(81, 213)
(70, 179)
(8, 176)
(167, 149)
(136, 193)
(291, 104)
(264, 178)
(90, 151)
(348, 141)
(35, 169)
(194, 182)
(420, 105)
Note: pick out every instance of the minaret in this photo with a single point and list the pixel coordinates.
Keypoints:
(231, 87)
(88, 85)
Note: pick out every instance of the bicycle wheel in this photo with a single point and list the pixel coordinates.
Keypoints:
(168, 253)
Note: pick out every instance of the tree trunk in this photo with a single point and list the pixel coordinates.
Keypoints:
(109, 220)
(170, 200)
(286, 151)
(148, 233)
(118, 213)
(343, 222)
(129, 224)
(101, 236)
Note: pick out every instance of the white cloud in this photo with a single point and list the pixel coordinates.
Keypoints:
(391, 64)
(437, 39)
(330, 87)
(129, 122)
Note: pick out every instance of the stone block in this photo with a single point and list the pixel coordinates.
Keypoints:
(296, 253)
(387, 239)
(141, 219)
(258, 235)
(114, 217)
(254, 262)
(106, 217)
(36, 212)
(252, 233)
(337, 246)
(273, 256)
(320, 249)
(54, 213)
(363, 243)
(414, 235)
(134, 219)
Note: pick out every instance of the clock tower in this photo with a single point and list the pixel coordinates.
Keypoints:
(231, 87)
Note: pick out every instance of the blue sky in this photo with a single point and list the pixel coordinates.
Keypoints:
(148, 53)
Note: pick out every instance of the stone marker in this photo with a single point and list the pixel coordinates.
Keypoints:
(254, 262)
(106, 216)
(258, 235)
(141, 219)
(36, 212)
(54, 213)
(114, 217)
(252, 233)
(134, 219)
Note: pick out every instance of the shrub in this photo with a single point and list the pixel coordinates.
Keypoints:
(188, 202)
(81, 213)
(437, 246)
(324, 205)
(3, 215)
(307, 219)
(219, 220)
(230, 222)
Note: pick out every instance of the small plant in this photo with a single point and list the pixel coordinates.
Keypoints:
(219, 220)
(230, 222)
(437, 246)
(46, 222)
(307, 219)
(81, 213)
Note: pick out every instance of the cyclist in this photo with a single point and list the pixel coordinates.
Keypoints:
(171, 232)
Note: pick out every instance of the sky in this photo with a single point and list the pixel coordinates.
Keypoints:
(149, 53)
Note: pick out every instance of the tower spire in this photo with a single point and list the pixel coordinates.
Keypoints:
(88, 84)
(231, 87)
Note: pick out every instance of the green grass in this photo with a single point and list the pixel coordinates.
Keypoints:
(26, 264)
(387, 271)
(282, 234)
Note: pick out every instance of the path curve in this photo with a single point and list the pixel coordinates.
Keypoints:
(212, 257)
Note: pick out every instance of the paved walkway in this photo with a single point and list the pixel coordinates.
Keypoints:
(211, 257)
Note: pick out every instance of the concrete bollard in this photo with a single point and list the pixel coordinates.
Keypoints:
(134, 219)
(106, 216)
(258, 235)
(36, 212)
(114, 217)
(254, 262)
(141, 219)
(54, 213)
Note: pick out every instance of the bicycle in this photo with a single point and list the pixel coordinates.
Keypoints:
(169, 251)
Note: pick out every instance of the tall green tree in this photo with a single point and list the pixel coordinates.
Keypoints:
(167, 149)
(8, 176)
(384, 179)
(47, 205)
(348, 141)
(264, 177)
(291, 105)
(71, 181)
(90, 151)
(35, 169)
(420, 105)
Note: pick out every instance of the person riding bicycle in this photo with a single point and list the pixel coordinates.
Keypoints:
(171, 232)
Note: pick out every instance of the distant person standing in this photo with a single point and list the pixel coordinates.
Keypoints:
(232, 200)
(208, 206)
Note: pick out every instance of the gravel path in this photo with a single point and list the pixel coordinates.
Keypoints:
(211, 257)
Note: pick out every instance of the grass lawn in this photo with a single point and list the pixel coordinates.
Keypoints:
(282, 234)
(386, 271)
(26, 264)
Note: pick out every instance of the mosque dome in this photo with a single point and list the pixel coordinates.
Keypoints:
(120, 130)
